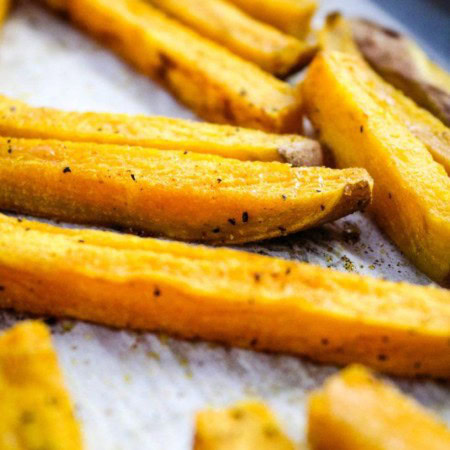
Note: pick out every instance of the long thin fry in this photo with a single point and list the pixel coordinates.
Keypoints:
(412, 192)
(354, 410)
(224, 295)
(246, 426)
(17, 119)
(181, 195)
(35, 408)
(255, 41)
(218, 85)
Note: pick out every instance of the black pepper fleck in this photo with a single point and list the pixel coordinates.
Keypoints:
(232, 221)
(322, 207)
(283, 197)
(216, 230)
(156, 292)
(219, 180)
(361, 129)
(133, 177)
(66, 170)
(245, 216)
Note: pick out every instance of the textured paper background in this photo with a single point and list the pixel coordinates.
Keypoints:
(140, 391)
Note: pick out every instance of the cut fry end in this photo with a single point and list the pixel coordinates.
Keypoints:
(248, 425)
(355, 410)
(35, 409)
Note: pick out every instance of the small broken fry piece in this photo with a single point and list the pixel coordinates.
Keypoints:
(337, 35)
(35, 409)
(245, 426)
(404, 64)
(354, 410)
(267, 47)
(181, 195)
(412, 192)
(218, 85)
(291, 16)
(230, 296)
(17, 119)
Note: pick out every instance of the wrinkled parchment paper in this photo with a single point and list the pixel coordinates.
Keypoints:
(141, 390)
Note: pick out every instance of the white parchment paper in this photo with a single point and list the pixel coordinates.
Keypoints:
(141, 390)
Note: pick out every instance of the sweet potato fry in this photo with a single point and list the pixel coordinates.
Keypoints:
(404, 64)
(180, 195)
(35, 409)
(255, 41)
(223, 295)
(412, 192)
(4, 8)
(354, 410)
(245, 426)
(337, 35)
(218, 85)
(17, 119)
(291, 16)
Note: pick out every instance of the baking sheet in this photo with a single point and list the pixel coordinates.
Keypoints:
(141, 390)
